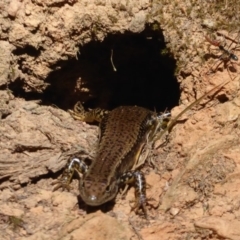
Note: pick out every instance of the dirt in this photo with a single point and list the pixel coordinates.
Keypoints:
(193, 193)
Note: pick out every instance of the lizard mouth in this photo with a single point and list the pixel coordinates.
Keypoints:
(93, 200)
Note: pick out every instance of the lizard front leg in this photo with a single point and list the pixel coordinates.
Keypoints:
(75, 164)
(139, 181)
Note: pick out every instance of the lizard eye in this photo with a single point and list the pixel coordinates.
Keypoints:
(108, 189)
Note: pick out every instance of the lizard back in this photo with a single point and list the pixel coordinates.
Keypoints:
(122, 130)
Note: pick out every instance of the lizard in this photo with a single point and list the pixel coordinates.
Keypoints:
(125, 132)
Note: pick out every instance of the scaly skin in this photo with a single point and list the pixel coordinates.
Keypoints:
(125, 131)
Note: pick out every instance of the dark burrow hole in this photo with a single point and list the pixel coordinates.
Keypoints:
(144, 76)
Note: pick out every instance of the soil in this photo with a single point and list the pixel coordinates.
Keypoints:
(194, 191)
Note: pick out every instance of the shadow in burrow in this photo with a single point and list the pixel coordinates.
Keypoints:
(144, 74)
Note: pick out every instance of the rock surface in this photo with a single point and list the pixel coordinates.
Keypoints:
(195, 192)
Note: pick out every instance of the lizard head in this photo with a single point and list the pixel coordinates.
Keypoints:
(95, 192)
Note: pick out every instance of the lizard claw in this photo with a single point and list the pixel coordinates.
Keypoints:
(141, 203)
(60, 184)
